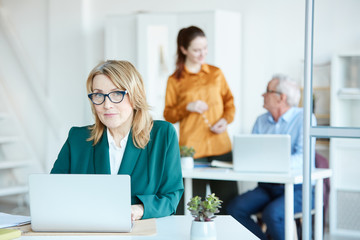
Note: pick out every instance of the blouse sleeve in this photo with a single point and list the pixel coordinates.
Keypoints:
(228, 100)
(174, 111)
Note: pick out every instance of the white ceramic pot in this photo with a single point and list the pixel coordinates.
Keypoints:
(187, 163)
(203, 230)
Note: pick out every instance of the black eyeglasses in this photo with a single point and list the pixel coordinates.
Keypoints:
(272, 91)
(115, 97)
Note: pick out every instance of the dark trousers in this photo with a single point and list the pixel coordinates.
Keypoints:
(225, 190)
(267, 198)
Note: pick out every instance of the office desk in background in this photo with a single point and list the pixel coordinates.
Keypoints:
(288, 179)
(174, 228)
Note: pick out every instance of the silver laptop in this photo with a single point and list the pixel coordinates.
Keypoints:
(80, 203)
(264, 153)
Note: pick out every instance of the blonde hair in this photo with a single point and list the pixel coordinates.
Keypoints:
(124, 76)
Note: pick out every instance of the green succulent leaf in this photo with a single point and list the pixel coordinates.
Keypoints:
(204, 210)
(186, 151)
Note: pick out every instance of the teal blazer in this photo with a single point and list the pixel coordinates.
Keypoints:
(155, 171)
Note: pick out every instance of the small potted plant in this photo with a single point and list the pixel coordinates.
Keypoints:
(203, 226)
(186, 154)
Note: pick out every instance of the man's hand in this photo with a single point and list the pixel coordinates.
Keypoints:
(219, 127)
(137, 211)
(197, 106)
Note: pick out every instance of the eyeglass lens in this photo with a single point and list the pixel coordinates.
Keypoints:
(272, 91)
(115, 97)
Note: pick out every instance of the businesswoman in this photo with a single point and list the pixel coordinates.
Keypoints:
(198, 96)
(125, 140)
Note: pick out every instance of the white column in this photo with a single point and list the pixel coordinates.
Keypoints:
(289, 211)
(319, 209)
(188, 193)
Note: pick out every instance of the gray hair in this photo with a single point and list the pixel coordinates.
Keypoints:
(288, 87)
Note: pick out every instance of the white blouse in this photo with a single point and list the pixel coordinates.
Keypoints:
(116, 153)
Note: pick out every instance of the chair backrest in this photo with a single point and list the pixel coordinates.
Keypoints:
(322, 162)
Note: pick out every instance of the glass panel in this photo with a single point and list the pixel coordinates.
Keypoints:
(322, 147)
(336, 92)
(336, 58)
(342, 196)
(345, 93)
(345, 186)
(321, 93)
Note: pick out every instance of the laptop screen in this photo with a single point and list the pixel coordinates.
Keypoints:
(265, 153)
(80, 202)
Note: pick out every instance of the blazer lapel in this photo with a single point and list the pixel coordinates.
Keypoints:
(131, 156)
(101, 155)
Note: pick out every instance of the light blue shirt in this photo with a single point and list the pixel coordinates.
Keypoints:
(291, 123)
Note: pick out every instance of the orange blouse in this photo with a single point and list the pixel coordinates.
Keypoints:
(210, 86)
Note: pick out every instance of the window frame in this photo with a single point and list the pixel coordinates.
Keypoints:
(309, 130)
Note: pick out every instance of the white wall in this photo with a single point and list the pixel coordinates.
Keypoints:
(29, 20)
(65, 39)
(26, 21)
(273, 36)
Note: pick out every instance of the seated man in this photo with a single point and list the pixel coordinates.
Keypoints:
(283, 117)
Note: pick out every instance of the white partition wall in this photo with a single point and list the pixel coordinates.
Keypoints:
(154, 53)
(345, 152)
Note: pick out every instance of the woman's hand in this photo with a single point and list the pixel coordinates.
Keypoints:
(197, 106)
(137, 211)
(219, 127)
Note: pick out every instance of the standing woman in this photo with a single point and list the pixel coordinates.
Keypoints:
(198, 96)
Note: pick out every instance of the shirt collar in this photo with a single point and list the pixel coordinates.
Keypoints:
(112, 141)
(287, 116)
(204, 68)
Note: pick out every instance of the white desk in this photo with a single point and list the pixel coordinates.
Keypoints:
(174, 228)
(288, 179)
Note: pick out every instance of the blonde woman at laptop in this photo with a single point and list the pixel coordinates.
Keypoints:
(199, 98)
(283, 117)
(125, 140)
